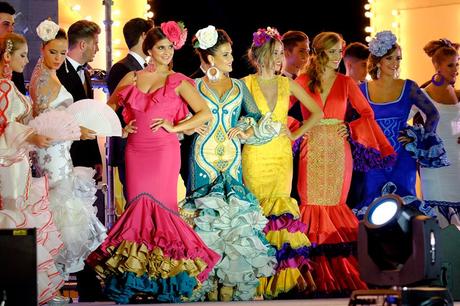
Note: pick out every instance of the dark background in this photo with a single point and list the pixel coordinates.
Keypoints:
(241, 18)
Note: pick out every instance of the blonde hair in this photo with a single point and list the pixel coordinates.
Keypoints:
(315, 70)
(10, 43)
(259, 55)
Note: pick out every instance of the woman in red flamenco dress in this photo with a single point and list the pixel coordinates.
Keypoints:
(326, 162)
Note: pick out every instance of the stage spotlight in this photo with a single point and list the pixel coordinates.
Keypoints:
(397, 244)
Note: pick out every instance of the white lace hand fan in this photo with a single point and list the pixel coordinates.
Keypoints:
(96, 116)
(56, 124)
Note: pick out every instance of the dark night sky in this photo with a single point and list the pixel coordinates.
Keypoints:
(234, 16)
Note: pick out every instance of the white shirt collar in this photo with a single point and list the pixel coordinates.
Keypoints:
(138, 58)
(74, 63)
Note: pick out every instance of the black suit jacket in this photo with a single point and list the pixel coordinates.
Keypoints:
(18, 80)
(84, 152)
(116, 73)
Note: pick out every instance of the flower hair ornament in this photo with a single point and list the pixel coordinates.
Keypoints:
(175, 32)
(47, 30)
(265, 35)
(206, 38)
(381, 43)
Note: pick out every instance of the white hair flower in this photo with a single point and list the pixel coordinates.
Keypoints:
(47, 30)
(207, 37)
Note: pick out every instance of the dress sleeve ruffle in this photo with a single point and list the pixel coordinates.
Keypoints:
(264, 130)
(13, 143)
(427, 147)
(370, 147)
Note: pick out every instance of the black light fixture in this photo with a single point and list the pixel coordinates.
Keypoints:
(402, 249)
(397, 244)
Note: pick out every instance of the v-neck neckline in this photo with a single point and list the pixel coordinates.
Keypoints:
(265, 98)
(214, 93)
(324, 102)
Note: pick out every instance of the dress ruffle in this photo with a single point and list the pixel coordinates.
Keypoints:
(35, 214)
(369, 145)
(427, 147)
(150, 245)
(71, 202)
(229, 220)
(287, 234)
(333, 231)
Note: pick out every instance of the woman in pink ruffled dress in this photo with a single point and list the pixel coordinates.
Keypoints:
(151, 253)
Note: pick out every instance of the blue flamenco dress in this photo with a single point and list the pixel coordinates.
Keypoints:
(426, 147)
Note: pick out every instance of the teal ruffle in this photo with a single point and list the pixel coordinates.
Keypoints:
(121, 288)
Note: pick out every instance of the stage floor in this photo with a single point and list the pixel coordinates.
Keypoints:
(306, 302)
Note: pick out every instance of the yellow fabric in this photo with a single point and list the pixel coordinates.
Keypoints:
(284, 281)
(296, 240)
(279, 206)
(118, 196)
(136, 258)
(267, 169)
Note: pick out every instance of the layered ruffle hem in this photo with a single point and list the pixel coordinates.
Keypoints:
(228, 218)
(151, 250)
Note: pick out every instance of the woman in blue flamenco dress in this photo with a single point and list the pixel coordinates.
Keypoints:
(392, 99)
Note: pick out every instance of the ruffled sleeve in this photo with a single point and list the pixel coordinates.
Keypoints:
(172, 82)
(370, 147)
(126, 100)
(13, 134)
(426, 146)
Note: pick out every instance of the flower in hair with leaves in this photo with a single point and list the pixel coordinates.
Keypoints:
(381, 43)
(264, 35)
(206, 38)
(175, 32)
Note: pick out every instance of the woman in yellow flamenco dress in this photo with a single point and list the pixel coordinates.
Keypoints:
(267, 168)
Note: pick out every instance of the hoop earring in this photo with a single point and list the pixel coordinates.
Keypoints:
(213, 73)
(441, 79)
(6, 71)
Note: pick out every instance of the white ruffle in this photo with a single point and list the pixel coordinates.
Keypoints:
(71, 202)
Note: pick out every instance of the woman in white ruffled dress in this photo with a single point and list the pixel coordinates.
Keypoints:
(440, 185)
(72, 189)
(23, 199)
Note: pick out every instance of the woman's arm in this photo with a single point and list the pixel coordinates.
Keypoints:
(308, 102)
(125, 81)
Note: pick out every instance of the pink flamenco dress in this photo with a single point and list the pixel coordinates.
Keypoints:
(24, 199)
(325, 168)
(150, 250)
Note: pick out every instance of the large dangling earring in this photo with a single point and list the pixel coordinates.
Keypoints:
(151, 67)
(213, 73)
(7, 72)
(378, 71)
(441, 79)
(396, 74)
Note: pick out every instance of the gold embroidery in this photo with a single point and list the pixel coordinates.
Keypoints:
(325, 165)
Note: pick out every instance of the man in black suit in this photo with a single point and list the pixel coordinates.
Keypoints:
(73, 75)
(134, 32)
(296, 53)
(83, 45)
(7, 26)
